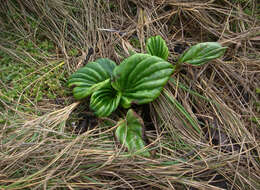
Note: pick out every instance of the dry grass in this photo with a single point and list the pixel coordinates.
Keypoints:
(206, 133)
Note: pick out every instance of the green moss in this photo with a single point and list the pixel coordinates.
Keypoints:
(27, 82)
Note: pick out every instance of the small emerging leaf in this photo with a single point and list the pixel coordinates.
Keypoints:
(105, 100)
(140, 78)
(130, 134)
(201, 53)
(156, 46)
(91, 77)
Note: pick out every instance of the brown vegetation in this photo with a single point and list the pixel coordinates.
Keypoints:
(204, 130)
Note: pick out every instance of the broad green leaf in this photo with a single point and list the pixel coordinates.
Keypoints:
(130, 134)
(105, 100)
(202, 53)
(156, 46)
(140, 78)
(91, 77)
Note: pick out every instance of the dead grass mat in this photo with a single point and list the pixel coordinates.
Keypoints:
(205, 131)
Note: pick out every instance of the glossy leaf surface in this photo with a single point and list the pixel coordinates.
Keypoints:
(105, 100)
(202, 53)
(140, 78)
(130, 134)
(91, 77)
(156, 46)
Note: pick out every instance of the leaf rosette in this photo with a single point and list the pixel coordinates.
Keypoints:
(140, 78)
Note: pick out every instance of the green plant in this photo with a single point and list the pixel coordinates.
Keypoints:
(130, 132)
(139, 79)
